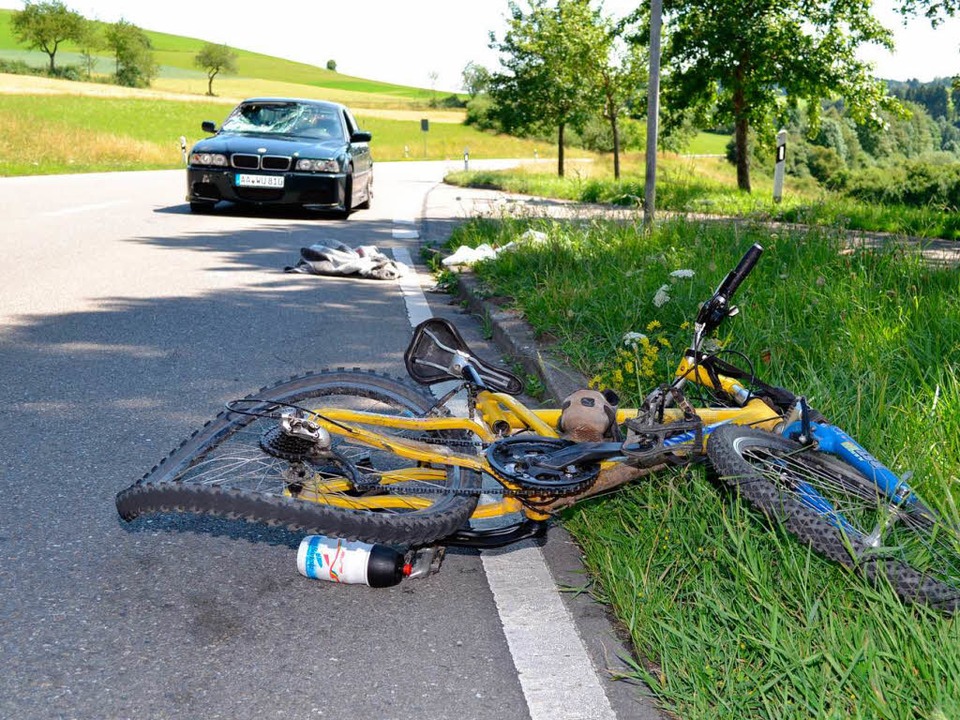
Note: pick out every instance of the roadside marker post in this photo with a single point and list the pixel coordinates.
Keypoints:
(424, 128)
(778, 169)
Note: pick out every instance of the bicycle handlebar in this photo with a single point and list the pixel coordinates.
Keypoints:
(713, 312)
(736, 276)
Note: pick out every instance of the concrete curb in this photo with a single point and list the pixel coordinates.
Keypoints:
(517, 340)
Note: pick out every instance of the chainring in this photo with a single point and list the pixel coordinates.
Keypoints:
(516, 460)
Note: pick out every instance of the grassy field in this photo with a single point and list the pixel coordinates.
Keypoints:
(175, 56)
(729, 618)
(44, 134)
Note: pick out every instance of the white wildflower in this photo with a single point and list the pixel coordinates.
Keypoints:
(662, 297)
(682, 274)
(534, 236)
(632, 339)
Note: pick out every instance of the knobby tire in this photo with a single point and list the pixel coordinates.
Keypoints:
(919, 554)
(223, 470)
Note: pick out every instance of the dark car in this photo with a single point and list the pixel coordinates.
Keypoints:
(283, 151)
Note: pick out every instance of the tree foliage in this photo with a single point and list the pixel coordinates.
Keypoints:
(619, 67)
(741, 59)
(543, 54)
(215, 59)
(45, 25)
(135, 66)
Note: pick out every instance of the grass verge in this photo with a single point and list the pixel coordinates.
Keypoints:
(731, 618)
(706, 186)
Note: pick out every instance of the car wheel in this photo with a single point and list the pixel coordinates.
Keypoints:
(347, 198)
(365, 205)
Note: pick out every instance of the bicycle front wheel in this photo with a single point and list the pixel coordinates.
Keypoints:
(239, 466)
(841, 514)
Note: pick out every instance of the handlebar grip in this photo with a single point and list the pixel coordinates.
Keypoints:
(736, 276)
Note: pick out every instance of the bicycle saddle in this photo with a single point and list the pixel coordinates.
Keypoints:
(438, 353)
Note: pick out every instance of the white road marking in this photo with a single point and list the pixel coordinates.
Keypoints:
(556, 674)
(84, 208)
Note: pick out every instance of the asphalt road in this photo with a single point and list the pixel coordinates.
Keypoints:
(125, 323)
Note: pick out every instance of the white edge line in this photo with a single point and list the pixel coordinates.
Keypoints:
(556, 674)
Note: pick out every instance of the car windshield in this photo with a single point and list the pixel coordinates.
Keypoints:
(287, 118)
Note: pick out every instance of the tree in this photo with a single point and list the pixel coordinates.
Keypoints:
(45, 25)
(215, 59)
(476, 79)
(620, 66)
(741, 58)
(332, 65)
(543, 56)
(90, 42)
(936, 11)
(135, 66)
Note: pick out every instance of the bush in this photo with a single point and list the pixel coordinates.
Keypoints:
(824, 163)
(480, 113)
(597, 135)
(917, 183)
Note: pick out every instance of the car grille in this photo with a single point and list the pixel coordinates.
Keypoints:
(275, 162)
(256, 162)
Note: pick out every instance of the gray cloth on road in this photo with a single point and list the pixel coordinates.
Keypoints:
(339, 259)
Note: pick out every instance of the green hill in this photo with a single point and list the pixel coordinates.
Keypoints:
(175, 56)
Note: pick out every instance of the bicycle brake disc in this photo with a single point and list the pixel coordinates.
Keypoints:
(517, 460)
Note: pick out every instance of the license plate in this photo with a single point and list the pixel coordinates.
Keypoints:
(267, 181)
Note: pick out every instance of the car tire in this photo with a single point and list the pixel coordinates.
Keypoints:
(365, 205)
(347, 198)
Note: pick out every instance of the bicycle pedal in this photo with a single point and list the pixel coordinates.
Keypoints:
(649, 442)
(426, 561)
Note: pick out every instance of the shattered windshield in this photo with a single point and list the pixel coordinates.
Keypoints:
(311, 121)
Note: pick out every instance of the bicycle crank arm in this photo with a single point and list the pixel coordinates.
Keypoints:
(581, 453)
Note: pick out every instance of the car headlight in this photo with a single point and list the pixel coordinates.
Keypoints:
(214, 159)
(329, 166)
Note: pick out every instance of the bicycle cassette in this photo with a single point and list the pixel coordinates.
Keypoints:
(524, 461)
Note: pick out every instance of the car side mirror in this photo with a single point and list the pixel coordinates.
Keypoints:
(359, 137)
(208, 126)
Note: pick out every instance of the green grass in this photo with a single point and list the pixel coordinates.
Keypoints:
(44, 134)
(707, 186)
(175, 56)
(729, 618)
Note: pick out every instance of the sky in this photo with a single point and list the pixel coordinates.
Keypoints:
(407, 41)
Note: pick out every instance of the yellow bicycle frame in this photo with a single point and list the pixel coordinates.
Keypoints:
(497, 415)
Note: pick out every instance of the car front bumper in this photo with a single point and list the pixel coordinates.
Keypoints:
(325, 191)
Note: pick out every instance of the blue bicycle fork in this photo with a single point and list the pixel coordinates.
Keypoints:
(831, 439)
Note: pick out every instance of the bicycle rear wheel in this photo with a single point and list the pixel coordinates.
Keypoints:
(835, 509)
(239, 466)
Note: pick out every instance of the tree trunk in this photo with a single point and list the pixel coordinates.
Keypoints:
(741, 130)
(52, 55)
(210, 77)
(615, 127)
(560, 150)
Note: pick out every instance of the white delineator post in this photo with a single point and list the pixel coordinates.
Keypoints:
(779, 167)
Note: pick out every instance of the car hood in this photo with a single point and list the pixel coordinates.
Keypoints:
(230, 143)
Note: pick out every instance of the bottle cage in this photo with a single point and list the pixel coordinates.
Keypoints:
(438, 353)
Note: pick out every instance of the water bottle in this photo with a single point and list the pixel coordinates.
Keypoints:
(344, 561)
